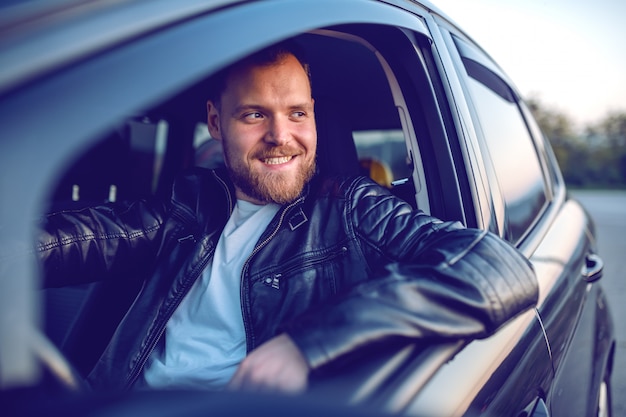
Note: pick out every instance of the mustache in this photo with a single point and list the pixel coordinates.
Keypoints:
(277, 152)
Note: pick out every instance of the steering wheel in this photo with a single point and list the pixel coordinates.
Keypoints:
(55, 366)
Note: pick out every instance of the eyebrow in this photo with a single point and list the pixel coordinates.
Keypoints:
(247, 107)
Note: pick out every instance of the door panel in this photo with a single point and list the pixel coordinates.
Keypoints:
(569, 307)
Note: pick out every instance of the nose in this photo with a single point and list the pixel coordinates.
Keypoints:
(278, 131)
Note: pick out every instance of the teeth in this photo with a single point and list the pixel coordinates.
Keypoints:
(276, 161)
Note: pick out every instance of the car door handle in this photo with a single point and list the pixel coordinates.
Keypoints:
(593, 268)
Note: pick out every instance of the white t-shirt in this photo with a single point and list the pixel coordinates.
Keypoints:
(205, 338)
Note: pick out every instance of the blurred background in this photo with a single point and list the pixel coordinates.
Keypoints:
(568, 60)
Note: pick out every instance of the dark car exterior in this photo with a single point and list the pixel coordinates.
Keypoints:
(104, 101)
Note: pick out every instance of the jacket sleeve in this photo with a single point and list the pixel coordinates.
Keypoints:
(441, 281)
(97, 243)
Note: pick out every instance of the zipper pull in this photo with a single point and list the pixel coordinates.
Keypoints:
(186, 239)
(273, 282)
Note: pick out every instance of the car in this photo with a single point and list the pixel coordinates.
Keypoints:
(104, 102)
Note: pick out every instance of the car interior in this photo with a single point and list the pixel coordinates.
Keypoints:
(360, 131)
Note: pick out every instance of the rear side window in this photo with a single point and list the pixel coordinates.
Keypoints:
(509, 143)
(383, 155)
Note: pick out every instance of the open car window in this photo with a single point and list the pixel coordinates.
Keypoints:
(370, 122)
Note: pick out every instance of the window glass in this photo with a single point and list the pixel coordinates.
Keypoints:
(208, 152)
(383, 155)
(125, 164)
(511, 148)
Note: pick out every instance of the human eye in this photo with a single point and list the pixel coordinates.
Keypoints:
(298, 114)
(252, 116)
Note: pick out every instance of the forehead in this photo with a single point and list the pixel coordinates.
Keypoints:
(285, 73)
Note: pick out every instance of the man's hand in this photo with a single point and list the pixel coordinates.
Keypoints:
(276, 365)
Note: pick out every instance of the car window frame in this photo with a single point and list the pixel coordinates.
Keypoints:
(550, 179)
(440, 173)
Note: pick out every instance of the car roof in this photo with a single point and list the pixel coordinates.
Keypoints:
(53, 33)
(41, 35)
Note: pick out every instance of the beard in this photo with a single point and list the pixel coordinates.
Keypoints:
(270, 187)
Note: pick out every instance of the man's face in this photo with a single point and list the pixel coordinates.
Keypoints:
(267, 126)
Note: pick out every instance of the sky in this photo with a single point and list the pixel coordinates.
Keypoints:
(570, 54)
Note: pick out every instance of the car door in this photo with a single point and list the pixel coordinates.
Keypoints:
(532, 211)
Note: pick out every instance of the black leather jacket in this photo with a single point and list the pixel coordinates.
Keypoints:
(345, 265)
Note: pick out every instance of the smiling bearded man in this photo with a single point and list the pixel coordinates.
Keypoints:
(252, 283)
(265, 120)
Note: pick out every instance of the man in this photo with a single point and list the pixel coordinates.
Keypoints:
(267, 272)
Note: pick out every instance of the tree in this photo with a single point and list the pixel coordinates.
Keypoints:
(567, 145)
(610, 135)
(594, 158)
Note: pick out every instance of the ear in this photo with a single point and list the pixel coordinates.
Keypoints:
(213, 120)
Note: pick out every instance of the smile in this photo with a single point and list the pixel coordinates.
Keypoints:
(277, 160)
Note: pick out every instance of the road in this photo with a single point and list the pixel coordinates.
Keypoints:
(608, 208)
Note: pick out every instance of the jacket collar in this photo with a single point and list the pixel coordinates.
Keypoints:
(296, 216)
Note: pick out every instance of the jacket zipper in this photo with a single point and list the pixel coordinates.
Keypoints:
(132, 377)
(274, 280)
(162, 326)
(244, 270)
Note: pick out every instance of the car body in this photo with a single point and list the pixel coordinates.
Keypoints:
(104, 101)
